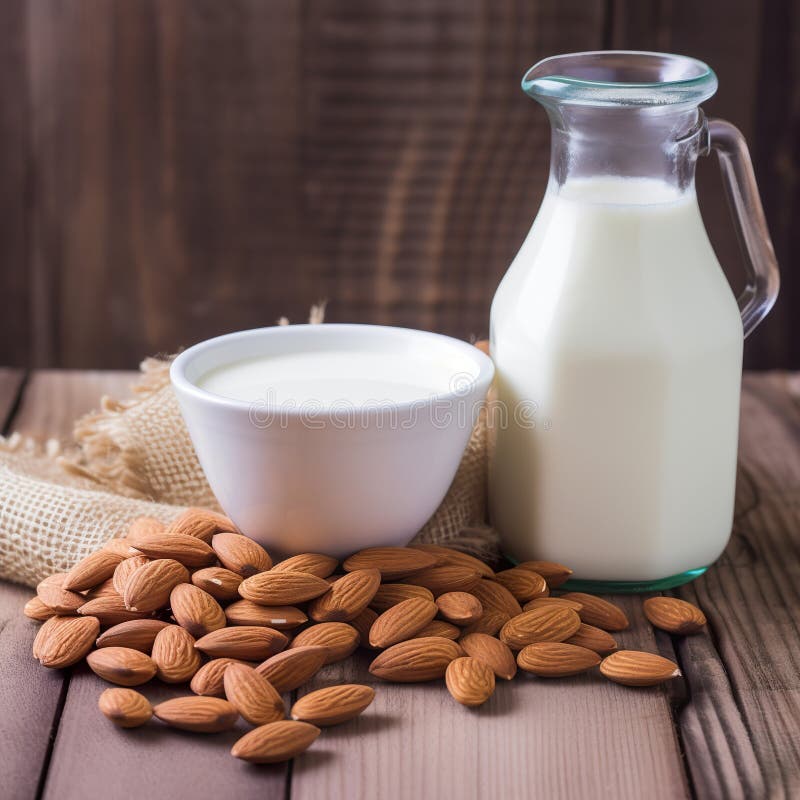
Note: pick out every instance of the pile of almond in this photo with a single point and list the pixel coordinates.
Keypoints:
(196, 602)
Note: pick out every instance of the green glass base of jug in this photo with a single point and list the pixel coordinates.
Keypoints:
(633, 587)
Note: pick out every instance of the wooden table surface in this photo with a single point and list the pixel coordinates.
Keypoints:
(729, 728)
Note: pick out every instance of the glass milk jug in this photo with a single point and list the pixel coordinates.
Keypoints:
(616, 337)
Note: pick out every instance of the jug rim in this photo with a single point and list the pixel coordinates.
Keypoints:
(622, 78)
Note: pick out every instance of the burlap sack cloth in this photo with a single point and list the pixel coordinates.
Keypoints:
(135, 458)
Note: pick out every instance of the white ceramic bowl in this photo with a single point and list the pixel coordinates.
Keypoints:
(330, 487)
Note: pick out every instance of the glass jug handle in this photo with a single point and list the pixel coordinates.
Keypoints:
(763, 277)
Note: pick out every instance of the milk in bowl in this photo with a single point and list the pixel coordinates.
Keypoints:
(328, 378)
(330, 438)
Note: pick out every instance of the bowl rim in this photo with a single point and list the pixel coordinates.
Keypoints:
(182, 384)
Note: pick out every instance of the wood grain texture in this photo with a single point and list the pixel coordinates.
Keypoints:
(154, 761)
(10, 386)
(29, 697)
(15, 198)
(744, 679)
(28, 694)
(175, 169)
(534, 738)
(426, 160)
(775, 148)
(167, 152)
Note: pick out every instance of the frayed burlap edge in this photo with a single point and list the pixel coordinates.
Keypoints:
(107, 453)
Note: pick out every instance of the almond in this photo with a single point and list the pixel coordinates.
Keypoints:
(523, 584)
(496, 596)
(40, 639)
(551, 602)
(125, 707)
(282, 588)
(110, 610)
(209, 679)
(240, 554)
(402, 622)
(88, 572)
(246, 612)
(540, 625)
(293, 668)
(52, 593)
(188, 550)
(598, 612)
(63, 641)
(122, 665)
(555, 574)
(124, 570)
(175, 656)
(220, 583)
(36, 610)
(445, 579)
(390, 594)
(277, 741)
(196, 610)
(145, 526)
(415, 660)
(246, 642)
(200, 523)
(556, 659)
(495, 654)
(469, 681)
(391, 562)
(674, 615)
(149, 587)
(447, 556)
(313, 563)
(635, 668)
(362, 623)
(197, 714)
(252, 695)
(338, 638)
(438, 627)
(347, 597)
(121, 547)
(104, 589)
(460, 608)
(490, 622)
(138, 634)
(333, 705)
(594, 639)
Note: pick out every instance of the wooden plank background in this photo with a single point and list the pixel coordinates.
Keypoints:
(744, 680)
(174, 169)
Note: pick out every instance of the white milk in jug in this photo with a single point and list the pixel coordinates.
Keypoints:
(618, 348)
